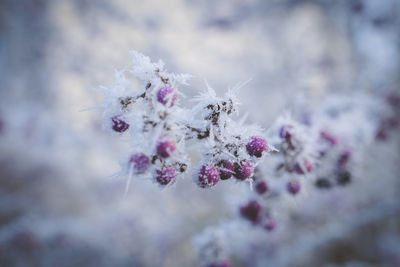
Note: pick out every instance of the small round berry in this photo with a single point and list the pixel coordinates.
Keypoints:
(344, 159)
(140, 162)
(256, 146)
(261, 187)
(307, 167)
(167, 95)
(224, 263)
(331, 139)
(323, 183)
(285, 131)
(166, 145)
(343, 178)
(227, 169)
(119, 125)
(244, 171)
(293, 187)
(270, 224)
(166, 176)
(208, 176)
(251, 211)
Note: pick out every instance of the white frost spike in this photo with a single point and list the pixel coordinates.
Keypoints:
(128, 183)
(235, 90)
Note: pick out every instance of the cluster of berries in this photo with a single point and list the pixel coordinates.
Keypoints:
(254, 210)
(159, 128)
(210, 175)
(166, 144)
(295, 161)
(341, 158)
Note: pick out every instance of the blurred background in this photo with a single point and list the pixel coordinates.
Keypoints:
(58, 204)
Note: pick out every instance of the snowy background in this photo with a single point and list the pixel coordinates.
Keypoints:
(58, 205)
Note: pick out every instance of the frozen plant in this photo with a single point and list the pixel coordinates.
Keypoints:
(159, 128)
(291, 187)
(295, 162)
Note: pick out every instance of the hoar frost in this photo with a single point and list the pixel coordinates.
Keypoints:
(159, 128)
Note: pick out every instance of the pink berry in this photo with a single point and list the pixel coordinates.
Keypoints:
(224, 263)
(332, 140)
(293, 187)
(167, 95)
(208, 176)
(166, 145)
(270, 224)
(244, 171)
(119, 125)
(166, 176)
(227, 169)
(252, 211)
(256, 146)
(140, 162)
(285, 131)
(308, 167)
(261, 187)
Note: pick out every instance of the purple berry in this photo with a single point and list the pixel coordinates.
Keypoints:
(166, 145)
(208, 176)
(167, 95)
(166, 176)
(344, 159)
(285, 131)
(256, 146)
(140, 162)
(224, 263)
(293, 187)
(270, 224)
(332, 140)
(251, 211)
(244, 171)
(307, 167)
(119, 125)
(261, 187)
(227, 169)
